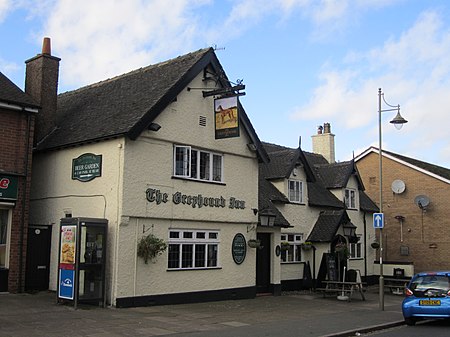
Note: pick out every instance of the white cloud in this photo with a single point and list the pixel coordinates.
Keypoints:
(413, 70)
(104, 38)
(8, 68)
(5, 7)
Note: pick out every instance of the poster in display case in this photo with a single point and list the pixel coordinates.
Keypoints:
(82, 254)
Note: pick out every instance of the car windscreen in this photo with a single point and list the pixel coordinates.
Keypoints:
(431, 285)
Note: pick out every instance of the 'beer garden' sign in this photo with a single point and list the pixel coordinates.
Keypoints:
(87, 167)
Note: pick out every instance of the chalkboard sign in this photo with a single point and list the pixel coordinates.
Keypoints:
(331, 268)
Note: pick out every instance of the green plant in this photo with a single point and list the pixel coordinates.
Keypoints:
(252, 243)
(150, 247)
(307, 245)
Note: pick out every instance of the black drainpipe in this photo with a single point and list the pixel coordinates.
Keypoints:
(365, 246)
(24, 199)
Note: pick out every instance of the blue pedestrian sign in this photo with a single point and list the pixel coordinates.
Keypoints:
(378, 220)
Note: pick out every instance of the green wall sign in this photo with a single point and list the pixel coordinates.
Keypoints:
(239, 248)
(87, 167)
(8, 187)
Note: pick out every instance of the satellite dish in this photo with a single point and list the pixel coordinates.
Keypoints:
(398, 186)
(422, 201)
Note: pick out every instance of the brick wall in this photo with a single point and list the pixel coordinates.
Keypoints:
(15, 158)
(426, 234)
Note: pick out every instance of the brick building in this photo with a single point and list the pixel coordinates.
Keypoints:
(17, 114)
(416, 199)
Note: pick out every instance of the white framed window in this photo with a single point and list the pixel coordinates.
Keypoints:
(197, 164)
(291, 247)
(350, 198)
(4, 237)
(295, 191)
(193, 249)
(355, 250)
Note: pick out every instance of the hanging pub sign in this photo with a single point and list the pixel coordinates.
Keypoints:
(87, 167)
(227, 117)
(8, 187)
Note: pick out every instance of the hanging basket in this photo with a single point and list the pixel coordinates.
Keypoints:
(307, 246)
(375, 245)
(254, 243)
(149, 247)
(284, 246)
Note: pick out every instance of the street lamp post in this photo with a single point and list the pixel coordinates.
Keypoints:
(398, 122)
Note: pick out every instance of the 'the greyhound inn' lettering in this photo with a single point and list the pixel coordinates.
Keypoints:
(155, 195)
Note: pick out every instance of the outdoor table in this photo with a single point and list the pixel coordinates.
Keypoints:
(336, 287)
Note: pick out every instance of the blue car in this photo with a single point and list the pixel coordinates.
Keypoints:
(427, 297)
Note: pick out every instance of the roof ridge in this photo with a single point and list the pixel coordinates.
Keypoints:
(133, 72)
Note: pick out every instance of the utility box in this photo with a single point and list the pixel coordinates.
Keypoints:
(82, 260)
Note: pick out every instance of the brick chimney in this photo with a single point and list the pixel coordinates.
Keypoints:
(41, 83)
(323, 142)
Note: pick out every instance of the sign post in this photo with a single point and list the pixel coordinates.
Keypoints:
(378, 222)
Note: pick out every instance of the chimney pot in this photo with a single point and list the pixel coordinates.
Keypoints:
(327, 128)
(46, 46)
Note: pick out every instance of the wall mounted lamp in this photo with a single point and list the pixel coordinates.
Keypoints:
(267, 217)
(349, 229)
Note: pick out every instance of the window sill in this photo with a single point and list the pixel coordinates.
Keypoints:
(293, 262)
(200, 180)
(190, 269)
(297, 202)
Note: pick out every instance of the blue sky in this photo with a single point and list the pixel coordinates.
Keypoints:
(304, 62)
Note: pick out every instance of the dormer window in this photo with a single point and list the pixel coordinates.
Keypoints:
(350, 198)
(296, 191)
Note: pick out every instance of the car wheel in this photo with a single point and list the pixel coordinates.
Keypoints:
(410, 321)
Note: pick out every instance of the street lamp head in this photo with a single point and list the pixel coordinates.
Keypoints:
(398, 120)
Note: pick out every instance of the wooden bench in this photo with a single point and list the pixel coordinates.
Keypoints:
(396, 285)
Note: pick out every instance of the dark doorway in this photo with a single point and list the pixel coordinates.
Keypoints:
(38, 257)
(263, 264)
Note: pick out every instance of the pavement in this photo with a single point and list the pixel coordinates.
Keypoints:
(291, 314)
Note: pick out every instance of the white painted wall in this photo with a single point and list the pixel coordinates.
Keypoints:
(53, 192)
(129, 168)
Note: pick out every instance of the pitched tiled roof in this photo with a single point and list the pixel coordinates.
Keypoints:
(268, 194)
(283, 160)
(125, 105)
(280, 162)
(366, 204)
(319, 196)
(438, 170)
(12, 94)
(336, 175)
(327, 224)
